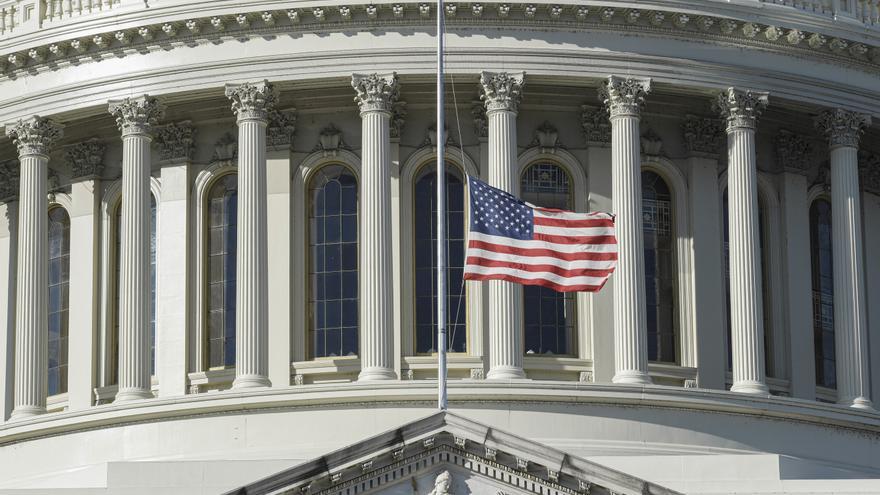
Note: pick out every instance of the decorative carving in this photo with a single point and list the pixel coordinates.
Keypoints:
(431, 137)
(585, 487)
(86, 159)
(491, 453)
(553, 475)
(793, 152)
(460, 442)
(366, 466)
(252, 101)
(376, 92)
(282, 125)
(398, 114)
(823, 177)
(501, 90)
(702, 135)
(330, 141)
(842, 127)
(624, 96)
(481, 122)
(225, 149)
(740, 107)
(299, 379)
(34, 136)
(409, 375)
(547, 137)
(477, 374)
(585, 376)
(137, 115)
(428, 442)
(442, 484)
(594, 122)
(869, 172)
(522, 464)
(8, 180)
(690, 383)
(652, 144)
(175, 141)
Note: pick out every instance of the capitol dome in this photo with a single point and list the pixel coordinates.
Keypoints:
(217, 247)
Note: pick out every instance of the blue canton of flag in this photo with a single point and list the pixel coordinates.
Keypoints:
(496, 212)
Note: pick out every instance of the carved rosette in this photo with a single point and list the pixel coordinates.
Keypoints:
(869, 172)
(481, 122)
(594, 122)
(702, 135)
(501, 91)
(175, 141)
(842, 127)
(137, 115)
(252, 101)
(376, 92)
(282, 125)
(8, 180)
(34, 136)
(86, 159)
(624, 96)
(793, 152)
(741, 108)
(398, 118)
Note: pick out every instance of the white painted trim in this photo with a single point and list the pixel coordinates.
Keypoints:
(109, 203)
(204, 180)
(408, 172)
(302, 174)
(684, 303)
(582, 343)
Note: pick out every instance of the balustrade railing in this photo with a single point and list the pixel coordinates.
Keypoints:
(24, 16)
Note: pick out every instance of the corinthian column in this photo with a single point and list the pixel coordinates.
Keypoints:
(501, 93)
(34, 138)
(251, 104)
(376, 93)
(135, 118)
(624, 97)
(741, 109)
(843, 129)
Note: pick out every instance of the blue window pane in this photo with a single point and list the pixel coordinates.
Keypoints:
(349, 256)
(350, 341)
(223, 244)
(332, 258)
(349, 228)
(334, 342)
(660, 275)
(350, 286)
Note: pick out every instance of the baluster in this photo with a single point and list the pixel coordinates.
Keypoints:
(59, 9)
(107, 5)
(68, 8)
(2, 20)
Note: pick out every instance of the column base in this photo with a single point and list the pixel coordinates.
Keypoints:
(132, 394)
(251, 381)
(24, 412)
(506, 373)
(632, 377)
(376, 373)
(858, 403)
(750, 387)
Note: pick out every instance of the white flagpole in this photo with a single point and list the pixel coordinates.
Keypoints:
(441, 221)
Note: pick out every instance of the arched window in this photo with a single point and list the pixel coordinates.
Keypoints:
(762, 243)
(222, 211)
(548, 315)
(333, 262)
(823, 292)
(59, 298)
(425, 228)
(660, 272)
(113, 360)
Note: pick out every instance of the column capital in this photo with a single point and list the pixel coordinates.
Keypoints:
(137, 115)
(624, 96)
(175, 141)
(35, 136)
(501, 90)
(376, 92)
(86, 159)
(842, 127)
(741, 107)
(252, 101)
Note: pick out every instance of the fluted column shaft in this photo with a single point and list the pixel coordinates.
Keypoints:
(252, 104)
(624, 98)
(850, 320)
(135, 118)
(741, 108)
(501, 94)
(34, 138)
(376, 94)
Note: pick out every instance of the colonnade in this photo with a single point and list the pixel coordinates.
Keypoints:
(376, 95)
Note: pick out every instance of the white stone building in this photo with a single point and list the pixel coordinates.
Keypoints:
(216, 261)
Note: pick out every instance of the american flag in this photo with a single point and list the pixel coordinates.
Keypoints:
(512, 240)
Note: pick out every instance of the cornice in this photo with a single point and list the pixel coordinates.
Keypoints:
(148, 37)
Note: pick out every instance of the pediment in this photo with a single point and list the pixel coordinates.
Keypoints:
(421, 456)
